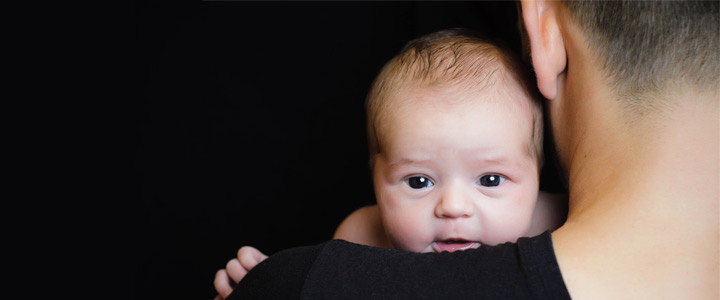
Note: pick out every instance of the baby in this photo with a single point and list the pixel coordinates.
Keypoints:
(455, 136)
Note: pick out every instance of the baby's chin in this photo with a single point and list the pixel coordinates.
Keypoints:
(454, 245)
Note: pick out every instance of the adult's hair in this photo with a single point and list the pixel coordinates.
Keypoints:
(647, 47)
(458, 58)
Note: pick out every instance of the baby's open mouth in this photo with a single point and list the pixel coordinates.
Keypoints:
(452, 245)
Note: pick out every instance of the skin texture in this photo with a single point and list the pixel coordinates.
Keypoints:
(458, 134)
(452, 139)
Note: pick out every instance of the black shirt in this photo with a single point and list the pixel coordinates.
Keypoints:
(341, 270)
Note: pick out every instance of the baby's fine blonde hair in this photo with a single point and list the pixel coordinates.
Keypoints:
(458, 58)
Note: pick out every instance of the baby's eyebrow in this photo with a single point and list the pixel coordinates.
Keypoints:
(503, 160)
(407, 161)
(497, 160)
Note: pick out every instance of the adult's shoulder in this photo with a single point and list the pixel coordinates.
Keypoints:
(523, 270)
(341, 270)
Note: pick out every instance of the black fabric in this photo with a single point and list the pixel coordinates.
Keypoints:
(281, 276)
(343, 270)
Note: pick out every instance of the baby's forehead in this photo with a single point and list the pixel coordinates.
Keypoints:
(425, 103)
(494, 93)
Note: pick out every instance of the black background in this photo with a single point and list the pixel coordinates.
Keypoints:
(249, 125)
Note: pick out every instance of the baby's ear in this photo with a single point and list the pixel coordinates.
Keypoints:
(547, 47)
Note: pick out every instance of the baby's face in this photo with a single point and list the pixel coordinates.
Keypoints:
(454, 175)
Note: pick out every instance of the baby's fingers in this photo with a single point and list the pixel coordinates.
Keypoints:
(222, 285)
(249, 257)
(235, 270)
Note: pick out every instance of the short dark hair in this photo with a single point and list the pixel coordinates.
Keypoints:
(647, 46)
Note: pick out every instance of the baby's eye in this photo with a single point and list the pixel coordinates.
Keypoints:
(491, 180)
(419, 182)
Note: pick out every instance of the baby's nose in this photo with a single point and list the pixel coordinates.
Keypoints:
(454, 204)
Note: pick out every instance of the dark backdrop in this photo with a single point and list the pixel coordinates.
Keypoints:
(249, 123)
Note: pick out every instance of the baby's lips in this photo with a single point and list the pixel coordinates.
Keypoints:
(452, 246)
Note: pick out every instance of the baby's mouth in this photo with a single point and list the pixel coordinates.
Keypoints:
(452, 245)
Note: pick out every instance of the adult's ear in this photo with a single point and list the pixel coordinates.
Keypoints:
(547, 48)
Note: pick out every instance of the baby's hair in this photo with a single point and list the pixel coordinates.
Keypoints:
(458, 58)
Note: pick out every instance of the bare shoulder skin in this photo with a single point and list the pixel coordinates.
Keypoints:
(364, 226)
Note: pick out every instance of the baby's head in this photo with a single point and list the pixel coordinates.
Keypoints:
(455, 136)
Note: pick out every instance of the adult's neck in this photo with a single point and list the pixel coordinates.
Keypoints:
(644, 195)
(666, 161)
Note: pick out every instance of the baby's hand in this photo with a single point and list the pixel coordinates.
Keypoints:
(225, 279)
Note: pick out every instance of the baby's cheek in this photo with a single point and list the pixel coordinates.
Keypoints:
(405, 232)
(507, 227)
(508, 234)
(397, 237)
